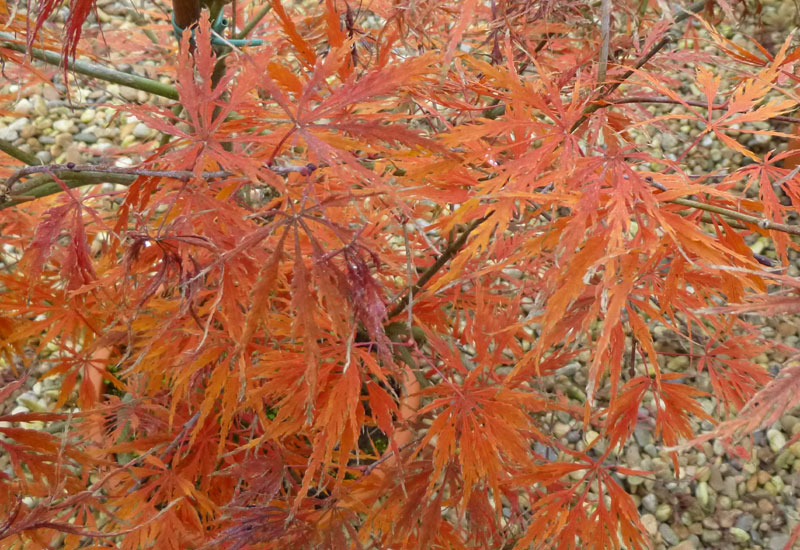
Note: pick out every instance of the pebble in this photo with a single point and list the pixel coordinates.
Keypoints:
(23, 106)
(88, 115)
(650, 502)
(8, 134)
(64, 125)
(668, 534)
(745, 522)
(64, 140)
(73, 154)
(776, 440)
(663, 512)
(85, 137)
(701, 493)
(19, 124)
(777, 542)
(765, 506)
(141, 131)
(650, 523)
(44, 157)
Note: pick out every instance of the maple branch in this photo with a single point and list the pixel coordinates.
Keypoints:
(611, 88)
(253, 21)
(605, 33)
(17, 153)
(440, 262)
(90, 174)
(763, 223)
(135, 81)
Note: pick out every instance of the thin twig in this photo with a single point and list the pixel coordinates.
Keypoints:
(182, 175)
(17, 153)
(440, 262)
(253, 21)
(611, 88)
(137, 82)
(605, 36)
(763, 223)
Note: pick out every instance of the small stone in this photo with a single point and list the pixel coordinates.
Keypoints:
(88, 115)
(650, 523)
(668, 534)
(777, 542)
(745, 522)
(85, 137)
(650, 503)
(141, 131)
(785, 459)
(740, 535)
(142, 96)
(23, 106)
(642, 435)
(28, 132)
(765, 506)
(786, 329)
(711, 536)
(678, 363)
(64, 125)
(19, 124)
(668, 141)
(8, 134)
(702, 494)
(715, 480)
(47, 140)
(752, 483)
(40, 105)
(44, 157)
(64, 140)
(128, 141)
(726, 518)
(776, 440)
(128, 94)
(685, 545)
(573, 436)
(663, 512)
(559, 428)
(763, 477)
(73, 154)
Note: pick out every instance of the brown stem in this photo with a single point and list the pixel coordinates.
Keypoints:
(608, 90)
(186, 12)
(440, 262)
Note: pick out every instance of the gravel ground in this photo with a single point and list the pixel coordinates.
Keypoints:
(715, 502)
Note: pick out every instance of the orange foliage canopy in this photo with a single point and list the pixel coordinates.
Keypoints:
(349, 338)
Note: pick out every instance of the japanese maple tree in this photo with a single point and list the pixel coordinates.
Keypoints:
(327, 311)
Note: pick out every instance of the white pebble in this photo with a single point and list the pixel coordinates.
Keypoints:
(8, 134)
(19, 124)
(62, 125)
(141, 131)
(88, 116)
(23, 106)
